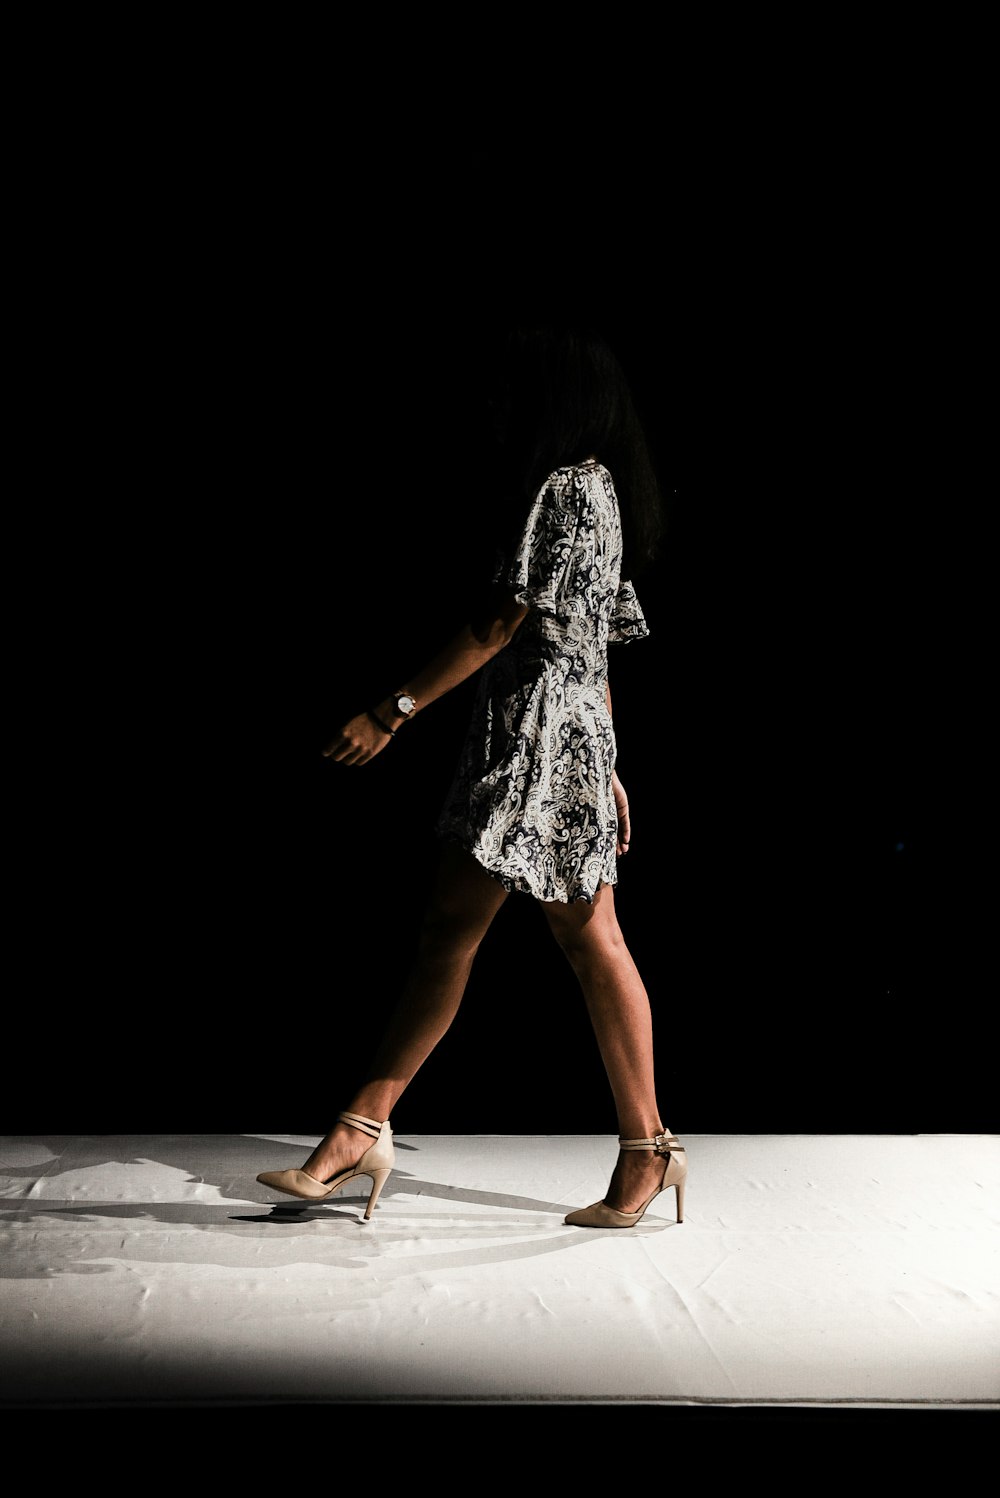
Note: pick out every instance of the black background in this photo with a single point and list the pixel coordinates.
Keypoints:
(291, 530)
(247, 415)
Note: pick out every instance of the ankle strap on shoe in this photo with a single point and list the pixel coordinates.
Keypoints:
(369, 1126)
(662, 1143)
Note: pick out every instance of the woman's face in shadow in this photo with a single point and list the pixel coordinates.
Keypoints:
(498, 414)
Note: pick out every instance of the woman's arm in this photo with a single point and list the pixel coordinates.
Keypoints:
(475, 643)
(621, 800)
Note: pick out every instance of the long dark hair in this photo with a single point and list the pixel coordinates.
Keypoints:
(559, 395)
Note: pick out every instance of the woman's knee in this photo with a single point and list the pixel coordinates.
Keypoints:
(584, 930)
(458, 916)
(446, 931)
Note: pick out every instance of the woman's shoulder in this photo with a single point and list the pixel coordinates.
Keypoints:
(589, 465)
(577, 476)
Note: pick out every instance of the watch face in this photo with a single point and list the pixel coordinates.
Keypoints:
(405, 704)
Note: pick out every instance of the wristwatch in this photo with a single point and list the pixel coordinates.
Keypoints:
(404, 703)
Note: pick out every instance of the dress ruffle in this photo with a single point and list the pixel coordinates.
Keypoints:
(627, 621)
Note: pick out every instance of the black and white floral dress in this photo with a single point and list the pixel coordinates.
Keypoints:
(532, 794)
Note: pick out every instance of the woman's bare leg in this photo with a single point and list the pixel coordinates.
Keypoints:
(618, 1006)
(463, 903)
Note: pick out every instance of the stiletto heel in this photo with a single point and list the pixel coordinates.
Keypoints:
(600, 1215)
(377, 1162)
(379, 1178)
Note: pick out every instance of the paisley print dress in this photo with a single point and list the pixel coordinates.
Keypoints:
(532, 797)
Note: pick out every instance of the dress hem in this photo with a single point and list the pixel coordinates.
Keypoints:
(518, 884)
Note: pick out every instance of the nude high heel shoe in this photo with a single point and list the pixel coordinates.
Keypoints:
(376, 1162)
(600, 1215)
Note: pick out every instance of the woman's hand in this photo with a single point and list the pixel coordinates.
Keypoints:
(358, 741)
(621, 803)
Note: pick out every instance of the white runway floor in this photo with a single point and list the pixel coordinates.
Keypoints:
(810, 1271)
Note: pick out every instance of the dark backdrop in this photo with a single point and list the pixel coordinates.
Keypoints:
(235, 913)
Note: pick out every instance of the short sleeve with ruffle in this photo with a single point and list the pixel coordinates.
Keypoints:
(566, 563)
(627, 621)
(538, 567)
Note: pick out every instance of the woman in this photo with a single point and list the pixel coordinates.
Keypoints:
(536, 805)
